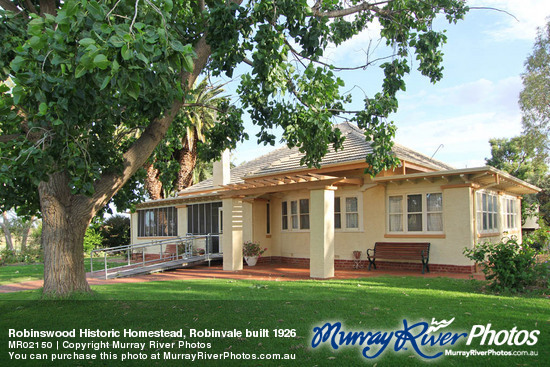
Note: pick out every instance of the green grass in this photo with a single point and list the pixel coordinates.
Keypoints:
(366, 304)
(10, 274)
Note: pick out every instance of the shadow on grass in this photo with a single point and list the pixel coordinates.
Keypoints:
(222, 304)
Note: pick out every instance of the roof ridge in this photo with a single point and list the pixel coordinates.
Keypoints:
(429, 159)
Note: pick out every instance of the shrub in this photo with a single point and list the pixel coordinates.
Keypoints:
(251, 249)
(116, 231)
(92, 239)
(540, 238)
(508, 265)
(32, 254)
(9, 257)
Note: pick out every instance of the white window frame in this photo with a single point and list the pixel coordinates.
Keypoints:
(405, 213)
(298, 215)
(344, 227)
(510, 213)
(486, 212)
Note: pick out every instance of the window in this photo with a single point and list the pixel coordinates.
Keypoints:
(337, 214)
(424, 213)
(294, 214)
(203, 218)
(158, 222)
(510, 213)
(304, 213)
(396, 214)
(352, 214)
(299, 214)
(284, 211)
(267, 219)
(414, 213)
(434, 209)
(351, 211)
(487, 211)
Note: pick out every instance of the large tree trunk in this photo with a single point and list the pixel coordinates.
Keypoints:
(187, 159)
(63, 230)
(7, 232)
(153, 185)
(66, 216)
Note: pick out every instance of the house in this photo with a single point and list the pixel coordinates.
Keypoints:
(319, 217)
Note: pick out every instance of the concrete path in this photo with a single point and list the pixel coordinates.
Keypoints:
(275, 272)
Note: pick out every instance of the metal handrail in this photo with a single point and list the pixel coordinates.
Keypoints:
(186, 241)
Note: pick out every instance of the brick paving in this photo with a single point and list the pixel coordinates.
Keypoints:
(275, 272)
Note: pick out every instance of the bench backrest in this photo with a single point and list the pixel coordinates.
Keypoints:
(171, 248)
(402, 248)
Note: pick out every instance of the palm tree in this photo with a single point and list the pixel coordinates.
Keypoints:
(170, 170)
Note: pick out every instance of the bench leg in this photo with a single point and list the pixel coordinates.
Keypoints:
(371, 262)
(425, 266)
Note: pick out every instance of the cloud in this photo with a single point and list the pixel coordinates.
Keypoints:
(465, 138)
(479, 95)
(529, 14)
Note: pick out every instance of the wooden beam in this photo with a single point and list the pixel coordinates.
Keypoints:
(351, 181)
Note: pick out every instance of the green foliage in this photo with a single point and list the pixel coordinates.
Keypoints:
(520, 156)
(252, 249)
(90, 78)
(32, 254)
(92, 240)
(525, 157)
(539, 239)
(82, 82)
(509, 265)
(115, 231)
(536, 87)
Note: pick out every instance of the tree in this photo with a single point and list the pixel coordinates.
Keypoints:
(5, 224)
(535, 96)
(534, 102)
(97, 86)
(16, 227)
(525, 158)
(115, 231)
(170, 168)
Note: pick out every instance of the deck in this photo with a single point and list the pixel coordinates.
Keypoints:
(156, 267)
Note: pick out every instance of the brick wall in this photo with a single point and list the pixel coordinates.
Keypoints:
(350, 264)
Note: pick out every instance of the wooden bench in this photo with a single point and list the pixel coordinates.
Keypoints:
(400, 251)
(171, 251)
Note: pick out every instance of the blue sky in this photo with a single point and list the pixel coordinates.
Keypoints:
(475, 101)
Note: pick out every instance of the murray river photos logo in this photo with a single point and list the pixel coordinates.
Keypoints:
(418, 336)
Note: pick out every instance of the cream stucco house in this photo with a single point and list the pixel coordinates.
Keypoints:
(319, 217)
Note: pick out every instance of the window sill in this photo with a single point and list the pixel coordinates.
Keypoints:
(156, 238)
(415, 235)
(348, 230)
(490, 234)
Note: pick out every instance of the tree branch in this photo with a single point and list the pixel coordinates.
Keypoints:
(47, 7)
(495, 9)
(354, 9)
(9, 6)
(30, 7)
(138, 153)
(203, 105)
(339, 68)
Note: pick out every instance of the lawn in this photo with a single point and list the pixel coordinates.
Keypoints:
(10, 274)
(373, 304)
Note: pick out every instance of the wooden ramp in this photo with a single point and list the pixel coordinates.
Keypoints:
(155, 267)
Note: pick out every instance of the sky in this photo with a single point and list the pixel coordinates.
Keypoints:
(476, 100)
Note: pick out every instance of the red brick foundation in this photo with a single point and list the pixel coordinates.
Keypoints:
(350, 264)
